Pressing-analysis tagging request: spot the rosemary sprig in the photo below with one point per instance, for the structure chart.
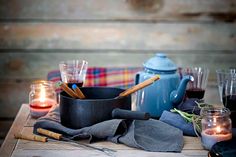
(193, 118)
(185, 115)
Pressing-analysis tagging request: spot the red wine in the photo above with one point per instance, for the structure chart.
(229, 102)
(195, 93)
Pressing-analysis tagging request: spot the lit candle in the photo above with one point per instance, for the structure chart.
(213, 135)
(40, 108)
(42, 98)
(216, 125)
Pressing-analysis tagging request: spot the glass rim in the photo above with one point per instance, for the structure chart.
(215, 111)
(196, 70)
(73, 61)
(226, 71)
(40, 83)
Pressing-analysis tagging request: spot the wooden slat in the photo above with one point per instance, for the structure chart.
(31, 65)
(192, 147)
(153, 10)
(86, 153)
(188, 143)
(195, 153)
(9, 143)
(118, 36)
(30, 122)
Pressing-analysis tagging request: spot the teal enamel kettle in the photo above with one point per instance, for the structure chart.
(164, 93)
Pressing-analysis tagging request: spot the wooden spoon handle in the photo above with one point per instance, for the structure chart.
(78, 91)
(139, 86)
(31, 137)
(69, 91)
(49, 133)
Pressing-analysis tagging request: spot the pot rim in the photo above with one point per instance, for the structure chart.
(96, 87)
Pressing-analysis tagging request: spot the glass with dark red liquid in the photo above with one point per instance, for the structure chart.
(195, 93)
(73, 72)
(196, 88)
(229, 98)
(229, 102)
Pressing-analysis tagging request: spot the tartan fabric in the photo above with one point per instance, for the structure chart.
(96, 77)
(121, 77)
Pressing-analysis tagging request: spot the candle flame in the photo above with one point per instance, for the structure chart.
(218, 129)
(42, 95)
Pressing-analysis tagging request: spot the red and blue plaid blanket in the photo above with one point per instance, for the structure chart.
(100, 76)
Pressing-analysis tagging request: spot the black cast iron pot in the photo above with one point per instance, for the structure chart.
(101, 104)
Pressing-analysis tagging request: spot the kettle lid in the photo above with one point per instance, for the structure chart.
(160, 63)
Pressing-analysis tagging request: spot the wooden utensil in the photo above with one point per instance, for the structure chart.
(60, 137)
(74, 94)
(78, 91)
(69, 91)
(30, 137)
(139, 86)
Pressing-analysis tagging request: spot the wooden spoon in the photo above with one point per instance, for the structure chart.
(139, 86)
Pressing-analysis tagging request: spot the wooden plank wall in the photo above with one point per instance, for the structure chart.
(36, 35)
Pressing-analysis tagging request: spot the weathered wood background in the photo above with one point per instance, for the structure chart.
(36, 35)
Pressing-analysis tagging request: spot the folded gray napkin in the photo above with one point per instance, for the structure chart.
(176, 120)
(150, 135)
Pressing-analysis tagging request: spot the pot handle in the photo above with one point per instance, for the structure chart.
(127, 114)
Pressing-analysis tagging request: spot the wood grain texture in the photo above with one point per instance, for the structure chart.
(192, 147)
(118, 10)
(118, 36)
(89, 153)
(10, 142)
(190, 143)
(36, 65)
(15, 82)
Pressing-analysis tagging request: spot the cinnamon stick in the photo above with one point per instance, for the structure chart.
(49, 133)
(31, 137)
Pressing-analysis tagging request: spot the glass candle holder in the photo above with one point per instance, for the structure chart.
(41, 98)
(216, 126)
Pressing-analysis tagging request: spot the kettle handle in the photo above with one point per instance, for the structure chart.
(136, 81)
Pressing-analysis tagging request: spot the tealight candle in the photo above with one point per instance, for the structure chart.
(214, 135)
(41, 98)
(216, 126)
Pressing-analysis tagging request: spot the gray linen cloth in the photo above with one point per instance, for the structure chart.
(150, 135)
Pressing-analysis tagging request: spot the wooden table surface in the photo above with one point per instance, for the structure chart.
(21, 148)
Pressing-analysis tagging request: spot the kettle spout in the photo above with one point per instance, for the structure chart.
(177, 96)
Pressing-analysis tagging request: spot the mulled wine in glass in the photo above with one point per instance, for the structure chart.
(229, 98)
(73, 72)
(196, 88)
